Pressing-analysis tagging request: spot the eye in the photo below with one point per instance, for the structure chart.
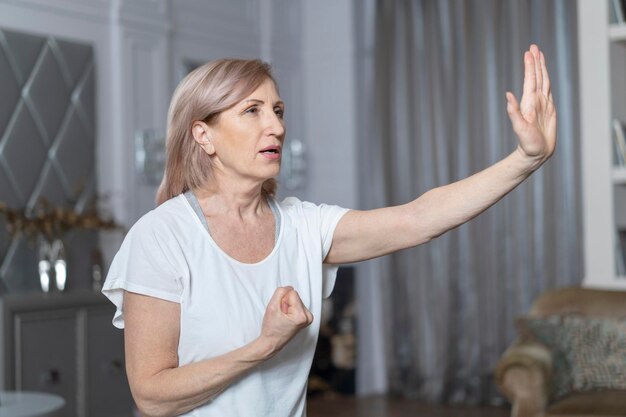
(279, 112)
(252, 110)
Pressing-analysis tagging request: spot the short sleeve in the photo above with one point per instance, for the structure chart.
(329, 218)
(145, 265)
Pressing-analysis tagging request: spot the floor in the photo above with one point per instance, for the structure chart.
(385, 407)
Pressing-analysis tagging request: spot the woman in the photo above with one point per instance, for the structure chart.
(219, 288)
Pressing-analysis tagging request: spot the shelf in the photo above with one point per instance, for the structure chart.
(619, 175)
(617, 32)
(616, 284)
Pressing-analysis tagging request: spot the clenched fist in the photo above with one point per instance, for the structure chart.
(285, 316)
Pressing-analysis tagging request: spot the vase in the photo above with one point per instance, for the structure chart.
(60, 266)
(44, 263)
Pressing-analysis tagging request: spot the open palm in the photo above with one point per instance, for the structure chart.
(534, 119)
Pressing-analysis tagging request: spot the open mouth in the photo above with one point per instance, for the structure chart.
(271, 151)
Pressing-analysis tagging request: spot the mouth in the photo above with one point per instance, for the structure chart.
(272, 152)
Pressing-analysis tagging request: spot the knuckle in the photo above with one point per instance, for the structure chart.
(302, 318)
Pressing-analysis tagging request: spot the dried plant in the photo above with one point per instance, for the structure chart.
(53, 221)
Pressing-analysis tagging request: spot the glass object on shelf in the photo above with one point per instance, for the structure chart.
(44, 263)
(60, 266)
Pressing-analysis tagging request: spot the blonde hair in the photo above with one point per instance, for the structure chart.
(202, 95)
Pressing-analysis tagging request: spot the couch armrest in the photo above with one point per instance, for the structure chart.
(523, 375)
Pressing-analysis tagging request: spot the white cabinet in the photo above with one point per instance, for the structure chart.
(602, 60)
(65, 344)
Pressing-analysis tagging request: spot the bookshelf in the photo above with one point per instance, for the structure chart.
(619, 175)
(617, 32)
(602, 66)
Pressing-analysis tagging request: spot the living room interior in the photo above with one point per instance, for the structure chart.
(518, 312)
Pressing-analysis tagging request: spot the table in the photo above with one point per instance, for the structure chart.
(28, 404)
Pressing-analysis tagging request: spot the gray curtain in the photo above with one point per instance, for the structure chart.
(432, 81)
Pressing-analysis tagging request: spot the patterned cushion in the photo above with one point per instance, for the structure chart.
(589, 353)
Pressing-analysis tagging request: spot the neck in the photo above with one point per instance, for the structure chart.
(233, 198)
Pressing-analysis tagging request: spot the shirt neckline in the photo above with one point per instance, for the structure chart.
(207, 235)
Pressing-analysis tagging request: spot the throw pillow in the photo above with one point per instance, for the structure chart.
(589, 353)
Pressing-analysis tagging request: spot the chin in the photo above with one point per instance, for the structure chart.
(275, 172)
(268, 175)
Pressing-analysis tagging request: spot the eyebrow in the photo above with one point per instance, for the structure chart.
(262, 102)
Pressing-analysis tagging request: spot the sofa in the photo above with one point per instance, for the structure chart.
(569, 357)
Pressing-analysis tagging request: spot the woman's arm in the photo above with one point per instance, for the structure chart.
(160, 387)
(363, 235)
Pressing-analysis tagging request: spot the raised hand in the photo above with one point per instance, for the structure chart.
(534, 120)
(285, 316)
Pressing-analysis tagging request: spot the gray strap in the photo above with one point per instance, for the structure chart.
(195, 204)
(277, 217)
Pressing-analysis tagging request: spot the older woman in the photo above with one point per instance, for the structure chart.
(219, 289)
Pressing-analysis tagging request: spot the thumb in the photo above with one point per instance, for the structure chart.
(512, 108)
(277, 299)
(290, 301)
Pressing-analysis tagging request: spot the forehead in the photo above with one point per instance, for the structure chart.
(265, 91)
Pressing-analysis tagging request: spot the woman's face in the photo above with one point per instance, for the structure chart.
(247, 139)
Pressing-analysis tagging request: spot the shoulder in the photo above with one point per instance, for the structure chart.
(169, 216)
(305, 210)
(295, 205)
(300, 210)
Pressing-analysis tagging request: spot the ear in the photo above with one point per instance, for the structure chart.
(202, 135)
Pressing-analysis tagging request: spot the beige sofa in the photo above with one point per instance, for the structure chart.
(525, 370)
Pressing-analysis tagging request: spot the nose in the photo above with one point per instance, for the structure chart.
(275, 125)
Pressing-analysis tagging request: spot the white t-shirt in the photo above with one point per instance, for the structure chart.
(169, 254)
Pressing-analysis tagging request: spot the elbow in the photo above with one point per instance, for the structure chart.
(419, 232)
(149, 406)
(152, 409)
(425, 230)
(435, 234)
(423, 226)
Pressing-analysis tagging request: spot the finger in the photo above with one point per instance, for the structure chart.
(538, 73)
(530, 81)
(295, 300)
(290, 301)
(512, 108)
(309, 316)
(277, 297)
(551, 107)
(296, 305)
(546, 77)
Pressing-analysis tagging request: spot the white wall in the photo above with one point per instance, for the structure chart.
(329, 101)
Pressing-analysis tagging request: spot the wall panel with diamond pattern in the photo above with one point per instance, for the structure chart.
(47, 146)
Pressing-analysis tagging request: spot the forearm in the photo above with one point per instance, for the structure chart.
(444, 208)
(177, 390)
